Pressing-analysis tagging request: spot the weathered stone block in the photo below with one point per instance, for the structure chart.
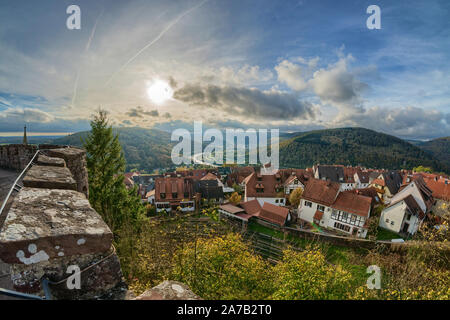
(49, 177)
(169, 290)
(43, 160)
(43, 224)
(99, 274)
(76, 162)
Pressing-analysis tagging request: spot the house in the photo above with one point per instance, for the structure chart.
(387, 184)
(238, 175)
(293, 179)
(370, 192)
(325, 205)
(334, 173)
(267, 214)
(407, 208)
(337, 173)
(212, 176)
(440, 186)
(209, 189)
(361, 179)
(172, 193)
(265, 188)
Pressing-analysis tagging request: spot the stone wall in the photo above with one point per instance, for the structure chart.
(16, 156)
(51, 226)
(75, 159)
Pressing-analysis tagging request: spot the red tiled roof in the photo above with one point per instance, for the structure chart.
(320, 191)
(251, 207)
(371, 192)
(379, 182)
(274, 214)
(436, 183)
(353, 203)
(170, 185)
(231, 208)
(266, 183)
(209, 176)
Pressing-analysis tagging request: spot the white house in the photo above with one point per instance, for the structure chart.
(407, 208)
(292, 183)
(361, 179)
(325, 205)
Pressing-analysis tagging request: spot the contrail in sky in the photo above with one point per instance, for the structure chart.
(174, 22)
(88, 45)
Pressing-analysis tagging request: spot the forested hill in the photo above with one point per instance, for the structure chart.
(144, 149)
(148, 149)
(354, 146)
(439, 148)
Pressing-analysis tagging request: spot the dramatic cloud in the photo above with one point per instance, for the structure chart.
(246, 102)
(139, 112)
(404, 122)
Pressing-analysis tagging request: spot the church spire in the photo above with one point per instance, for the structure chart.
(25, 140)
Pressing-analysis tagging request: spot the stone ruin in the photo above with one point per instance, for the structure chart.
(51, 226)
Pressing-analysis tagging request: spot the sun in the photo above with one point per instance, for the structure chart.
(159, 91)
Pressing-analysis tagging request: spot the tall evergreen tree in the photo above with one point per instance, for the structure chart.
(106, 164)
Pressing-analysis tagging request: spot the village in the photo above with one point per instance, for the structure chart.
(332, 200)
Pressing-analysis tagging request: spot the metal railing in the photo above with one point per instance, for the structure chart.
(16, 186)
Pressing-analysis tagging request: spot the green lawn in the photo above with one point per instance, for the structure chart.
(384, 234)
(256, 227)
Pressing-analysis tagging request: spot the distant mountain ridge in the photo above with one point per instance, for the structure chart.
(355, 146)
(439, 148)
(148, 149)
(144, 149)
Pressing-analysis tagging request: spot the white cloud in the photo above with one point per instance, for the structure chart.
(337, 85)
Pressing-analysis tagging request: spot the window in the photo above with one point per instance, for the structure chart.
(333, 213)
(342, 227)
(163, 195)
(308, 204)
(353, 219)
(174, 195)
(392, 223)
(320, 208)
(408, 217)
(387, 220)
(276, 200)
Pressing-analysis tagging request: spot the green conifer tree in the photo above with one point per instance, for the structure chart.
(108, 194)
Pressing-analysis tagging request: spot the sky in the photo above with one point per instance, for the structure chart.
(293, 65)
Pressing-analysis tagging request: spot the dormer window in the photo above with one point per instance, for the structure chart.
(259, 188)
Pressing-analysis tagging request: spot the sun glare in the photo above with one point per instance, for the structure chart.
(159, 91)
